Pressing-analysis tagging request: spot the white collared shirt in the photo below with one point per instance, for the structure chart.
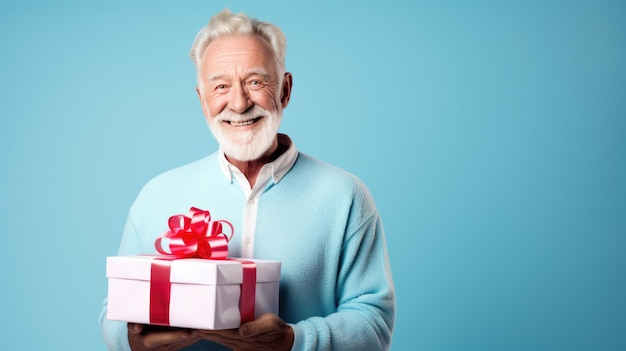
(273, 171)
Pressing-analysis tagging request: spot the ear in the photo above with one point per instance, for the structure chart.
(205, 110)
(286, 90)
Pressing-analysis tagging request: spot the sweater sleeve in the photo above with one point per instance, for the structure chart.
(115, 333)
(365, 296)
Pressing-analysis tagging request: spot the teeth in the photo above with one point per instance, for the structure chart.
(242, 123)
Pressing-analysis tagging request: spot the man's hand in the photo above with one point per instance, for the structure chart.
(266, 333)
(148, 337)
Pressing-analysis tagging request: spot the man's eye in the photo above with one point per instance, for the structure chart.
(220, 87)
(255, 84)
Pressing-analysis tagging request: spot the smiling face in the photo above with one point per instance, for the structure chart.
(242, 95)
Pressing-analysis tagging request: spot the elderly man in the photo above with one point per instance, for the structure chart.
(336, 290)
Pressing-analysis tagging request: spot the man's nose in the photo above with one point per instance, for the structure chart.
(239, 99)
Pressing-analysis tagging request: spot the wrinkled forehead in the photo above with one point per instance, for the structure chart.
(236, 53)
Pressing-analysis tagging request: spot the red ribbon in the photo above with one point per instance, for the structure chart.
(160, 292)
(195, 236)
(248, 290)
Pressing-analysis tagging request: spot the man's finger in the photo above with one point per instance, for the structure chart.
(265, 323)
(135, 328)
(165, 337)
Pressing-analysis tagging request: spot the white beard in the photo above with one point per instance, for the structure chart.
(249, 144)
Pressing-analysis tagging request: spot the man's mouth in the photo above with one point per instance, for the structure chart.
(243, 123)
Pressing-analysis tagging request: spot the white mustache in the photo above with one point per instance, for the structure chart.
(230, 116)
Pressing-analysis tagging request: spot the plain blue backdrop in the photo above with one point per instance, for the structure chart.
(490, 133)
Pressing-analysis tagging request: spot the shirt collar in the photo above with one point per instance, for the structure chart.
(278, 167)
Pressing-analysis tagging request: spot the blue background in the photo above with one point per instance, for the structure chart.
(490, 133)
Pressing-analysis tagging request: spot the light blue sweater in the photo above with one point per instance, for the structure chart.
(336, 289)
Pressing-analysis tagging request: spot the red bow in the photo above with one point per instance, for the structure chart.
(195, 236)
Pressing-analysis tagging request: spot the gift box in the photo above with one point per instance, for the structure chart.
(191, 292)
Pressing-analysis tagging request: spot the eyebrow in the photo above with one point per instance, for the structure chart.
(254, 71)
(216, 76)
(260, 72)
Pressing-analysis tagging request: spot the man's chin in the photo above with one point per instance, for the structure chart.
(243, 153)
(246, 146)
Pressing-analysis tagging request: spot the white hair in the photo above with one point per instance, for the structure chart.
(227, 23)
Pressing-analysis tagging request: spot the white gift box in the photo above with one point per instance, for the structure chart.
(204, 294)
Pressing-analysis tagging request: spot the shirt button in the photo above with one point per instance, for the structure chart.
(247, 240)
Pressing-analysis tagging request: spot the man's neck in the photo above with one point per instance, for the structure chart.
(251, 169)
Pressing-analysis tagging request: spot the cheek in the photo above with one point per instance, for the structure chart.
(215, 105)
(266, 100)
